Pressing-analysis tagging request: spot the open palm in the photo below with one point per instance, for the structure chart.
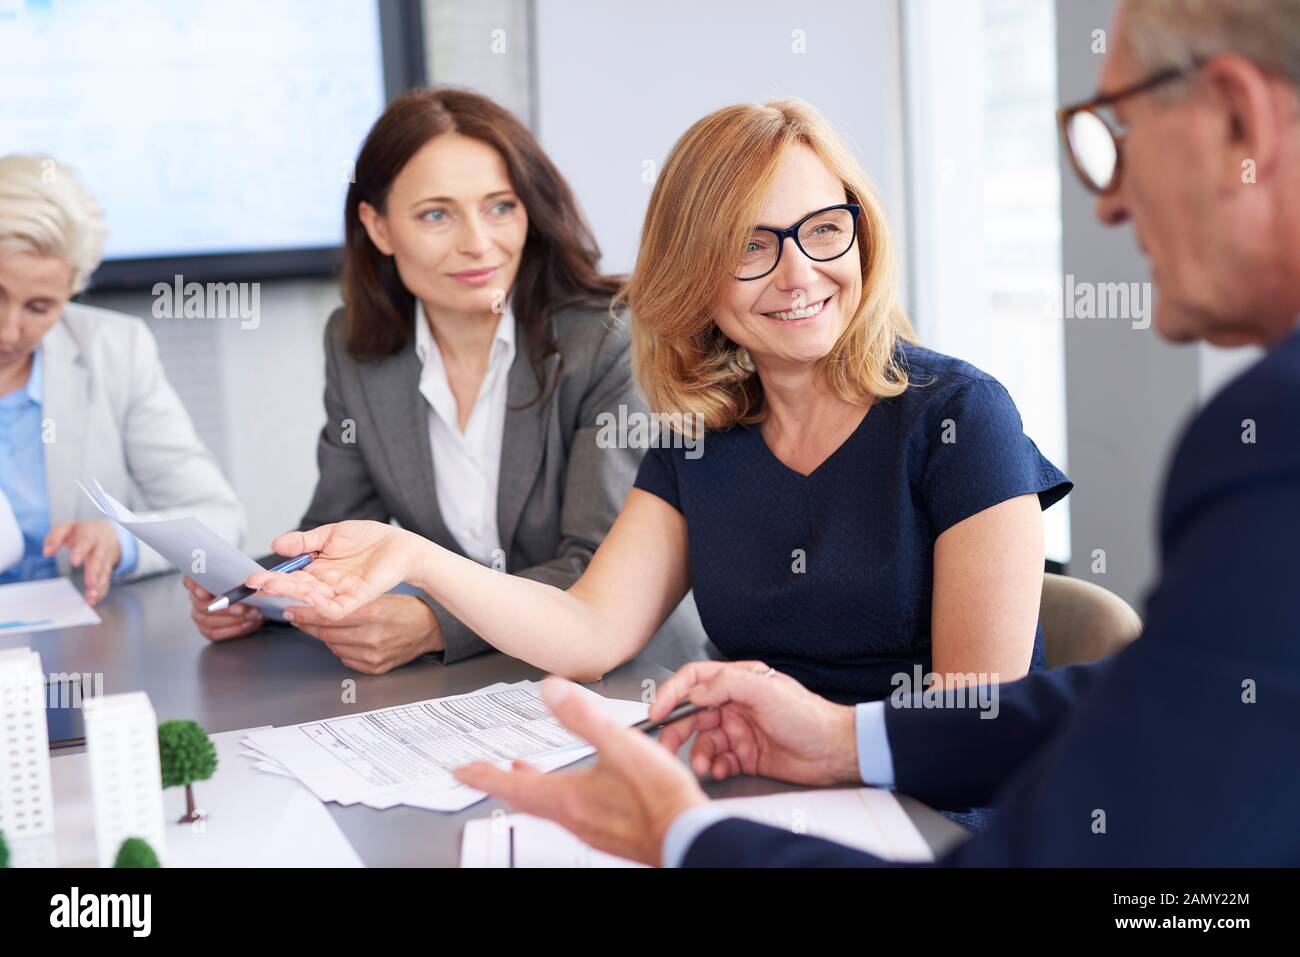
(355, 563)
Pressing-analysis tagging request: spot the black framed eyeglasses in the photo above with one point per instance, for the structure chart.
(822, 235)
(1093, 143)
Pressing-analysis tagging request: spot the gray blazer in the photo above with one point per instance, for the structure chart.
(558, 493)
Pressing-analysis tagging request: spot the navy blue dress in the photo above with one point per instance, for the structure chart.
(828, 577)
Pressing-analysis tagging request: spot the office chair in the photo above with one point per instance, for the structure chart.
(1084, 622)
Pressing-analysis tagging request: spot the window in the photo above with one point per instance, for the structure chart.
(984, 204)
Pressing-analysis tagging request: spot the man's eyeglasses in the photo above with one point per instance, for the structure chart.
(821, 236)
(1093, 143)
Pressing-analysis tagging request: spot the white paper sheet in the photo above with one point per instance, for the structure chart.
(42, 605)
(405, 755)
(179, 540)
(450, 799)
(253, 819)
(270, 768)
(462, 796)
(868, 819)
(521, 840)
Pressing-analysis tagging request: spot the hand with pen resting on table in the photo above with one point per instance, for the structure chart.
(759, 722)
(374, 639)
(345, 589)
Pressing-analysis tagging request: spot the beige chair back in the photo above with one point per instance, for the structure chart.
(1084, 622)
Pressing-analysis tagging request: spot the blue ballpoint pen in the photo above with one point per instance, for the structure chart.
(240, 592)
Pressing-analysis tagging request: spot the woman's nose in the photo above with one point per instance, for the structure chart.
(9, 330)
(473, 240)
(795, 270)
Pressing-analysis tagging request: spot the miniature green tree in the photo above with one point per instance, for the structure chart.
(4, 851)
(136, 852)
(187, 755)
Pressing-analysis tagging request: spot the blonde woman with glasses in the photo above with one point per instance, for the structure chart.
(864, 511)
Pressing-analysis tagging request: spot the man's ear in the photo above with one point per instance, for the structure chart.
(376, 227)
(1251, 117)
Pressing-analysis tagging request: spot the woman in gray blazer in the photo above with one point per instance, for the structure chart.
(83, 393)
(466, 375)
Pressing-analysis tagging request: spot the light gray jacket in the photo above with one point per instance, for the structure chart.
(110, 412)
(558, 492)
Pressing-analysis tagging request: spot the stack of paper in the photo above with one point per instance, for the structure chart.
(405, 755)
(868, 819)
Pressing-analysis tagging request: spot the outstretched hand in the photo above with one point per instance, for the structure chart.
(622, 805)
(355, 563)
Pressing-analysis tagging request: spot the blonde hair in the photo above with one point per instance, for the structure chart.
(44, 209)
(704, 204)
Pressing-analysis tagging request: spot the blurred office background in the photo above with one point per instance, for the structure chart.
(948, 103)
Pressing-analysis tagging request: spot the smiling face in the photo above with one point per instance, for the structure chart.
(33, 292)
(793, 316)
(453, 225)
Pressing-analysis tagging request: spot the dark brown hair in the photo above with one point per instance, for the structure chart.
(559, 261)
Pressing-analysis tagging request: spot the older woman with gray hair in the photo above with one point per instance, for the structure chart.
(82, 392)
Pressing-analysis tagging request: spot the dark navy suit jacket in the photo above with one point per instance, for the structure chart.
(1184, 749)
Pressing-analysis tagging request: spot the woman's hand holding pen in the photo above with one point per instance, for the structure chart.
(355, 563)
(234, 621)
(375, 639)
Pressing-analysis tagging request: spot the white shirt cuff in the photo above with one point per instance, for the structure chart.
(875, 761)
(875, 766)
(686, 827)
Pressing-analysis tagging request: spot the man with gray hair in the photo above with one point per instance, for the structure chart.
(1181, 749)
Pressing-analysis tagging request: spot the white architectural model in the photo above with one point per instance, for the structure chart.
(125, 776)
(26, 807)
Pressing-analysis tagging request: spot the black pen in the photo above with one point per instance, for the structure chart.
(679, 712)
(240, 592)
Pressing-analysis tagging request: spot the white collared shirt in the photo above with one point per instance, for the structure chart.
(467, 465)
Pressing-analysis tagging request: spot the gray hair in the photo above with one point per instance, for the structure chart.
(45, 210)
(1172, 33)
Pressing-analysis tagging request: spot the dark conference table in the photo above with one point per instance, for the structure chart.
(280, 676)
